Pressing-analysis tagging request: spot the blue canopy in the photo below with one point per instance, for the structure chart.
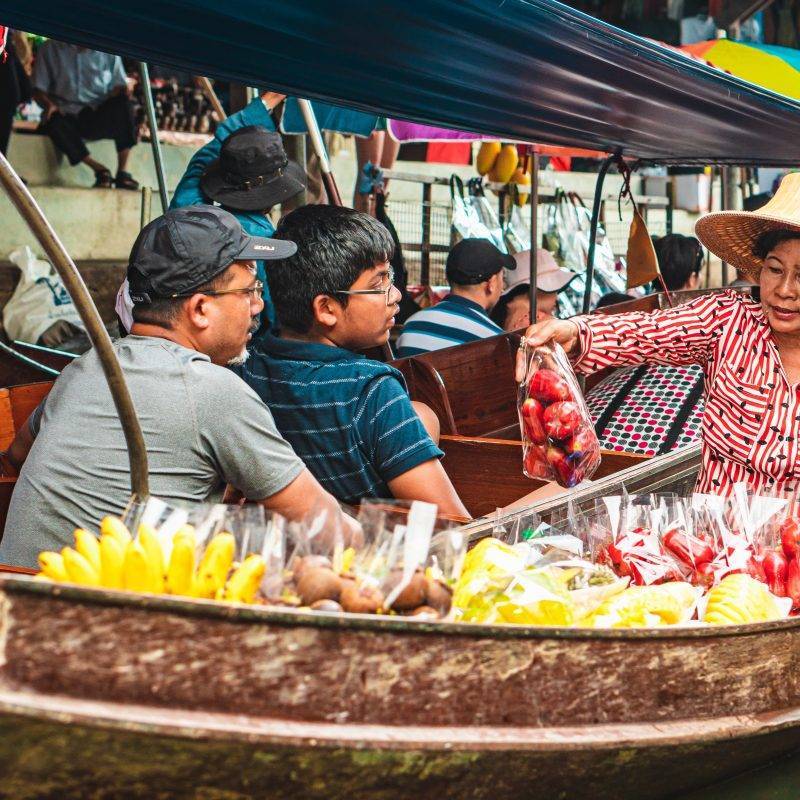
(531, 70)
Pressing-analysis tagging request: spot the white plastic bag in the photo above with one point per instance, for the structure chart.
(473, 216)
(40, 299)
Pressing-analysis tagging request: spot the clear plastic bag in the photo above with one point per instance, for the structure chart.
(559, 441)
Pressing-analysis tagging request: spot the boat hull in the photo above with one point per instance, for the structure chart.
(136, 696)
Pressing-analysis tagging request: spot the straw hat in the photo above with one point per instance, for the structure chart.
(731, 235)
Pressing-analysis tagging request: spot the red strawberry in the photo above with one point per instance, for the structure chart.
(548, 386)
(558, 460)
(536, 463)
(532, 413)
(583, 441)
(562, 420)
(790, 537)
(793, 582)
(775, 567)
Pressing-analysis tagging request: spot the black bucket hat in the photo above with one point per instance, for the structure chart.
(253, 172)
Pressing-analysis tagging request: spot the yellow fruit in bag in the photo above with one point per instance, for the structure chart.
(112, 558)
(487, 155)
(79, 569)
(148, 538)
(113, 526)
(52, 566)
(645, 606)
(87, 545)
(214, 566)
(738, 599)
(245, 580)
(180, 570)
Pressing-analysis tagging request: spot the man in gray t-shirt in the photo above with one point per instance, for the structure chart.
(195, 301)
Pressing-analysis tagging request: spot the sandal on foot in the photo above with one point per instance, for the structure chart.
(103, 179)
(124, 180)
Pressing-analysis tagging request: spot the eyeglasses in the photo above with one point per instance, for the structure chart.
(386, 290)
(254, 291)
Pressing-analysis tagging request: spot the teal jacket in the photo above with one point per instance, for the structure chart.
(189, 193)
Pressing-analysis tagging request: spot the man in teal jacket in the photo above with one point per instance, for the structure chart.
(244, 168)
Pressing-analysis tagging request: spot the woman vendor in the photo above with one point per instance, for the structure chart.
(749, 350)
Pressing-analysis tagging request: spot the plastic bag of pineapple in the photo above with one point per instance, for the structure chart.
(208, 551)
(519, 584)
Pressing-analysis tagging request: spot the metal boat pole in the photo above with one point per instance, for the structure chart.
(334, 198)
(534, 201)
(598, 196)
(59, 258)
(147, 92)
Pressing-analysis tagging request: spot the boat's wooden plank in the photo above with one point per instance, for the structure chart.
(487, 473)
(426, 385)
(479, 382)
(25, 398)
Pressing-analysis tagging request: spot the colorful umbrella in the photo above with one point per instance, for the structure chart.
(770, 66)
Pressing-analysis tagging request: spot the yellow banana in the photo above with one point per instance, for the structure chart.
(181, 563)
(79, 569)
(214, 566)
(243, 584)
(148, 538)
(112, 558)
(114, 526)
(136, 575)
(87, 545)
(52, 565)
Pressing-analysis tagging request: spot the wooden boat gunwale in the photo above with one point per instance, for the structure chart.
(289, 617)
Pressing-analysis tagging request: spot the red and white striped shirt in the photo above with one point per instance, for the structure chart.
(751, 425)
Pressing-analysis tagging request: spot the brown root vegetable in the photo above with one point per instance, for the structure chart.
(318, 583)
(361, 599)
(438, 595)
(412, 594)
(302, 564)
(326, 605)
(424, 613)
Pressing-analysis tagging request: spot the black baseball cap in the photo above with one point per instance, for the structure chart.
(187, 247)
(476, 260)
(252, 172)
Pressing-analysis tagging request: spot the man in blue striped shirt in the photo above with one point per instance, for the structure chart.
(349, 418)
(475, 273)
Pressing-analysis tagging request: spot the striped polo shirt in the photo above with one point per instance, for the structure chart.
(455, 320)
(349, 418)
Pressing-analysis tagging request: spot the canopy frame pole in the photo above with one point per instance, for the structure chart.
(150, 109)
(208, 91)
(29, 210)
(598, 196)
(533, 199)
(328, 179)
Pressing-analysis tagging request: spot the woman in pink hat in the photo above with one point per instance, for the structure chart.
(749, 348)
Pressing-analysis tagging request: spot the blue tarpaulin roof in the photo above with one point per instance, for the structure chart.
(531, 70)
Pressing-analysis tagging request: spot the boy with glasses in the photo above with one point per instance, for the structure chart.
(348, 418)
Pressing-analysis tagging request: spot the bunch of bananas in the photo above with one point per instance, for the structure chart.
(119, 561)
(738, 599)
(500, 163)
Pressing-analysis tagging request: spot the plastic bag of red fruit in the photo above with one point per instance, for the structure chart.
(558, 438)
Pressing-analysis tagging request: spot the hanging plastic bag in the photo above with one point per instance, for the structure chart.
(473, 216)
(40, 302)
(516, 233)
(559, 442)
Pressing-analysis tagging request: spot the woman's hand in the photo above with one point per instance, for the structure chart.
(563, 331)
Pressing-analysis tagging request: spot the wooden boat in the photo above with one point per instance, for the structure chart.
(115, 695)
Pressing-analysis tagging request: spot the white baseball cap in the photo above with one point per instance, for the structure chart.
(549, 276)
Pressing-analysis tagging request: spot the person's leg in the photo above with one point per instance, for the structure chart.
(367, 150)
(113, 119)
(429, 419)
(65, 133)
(391, 147)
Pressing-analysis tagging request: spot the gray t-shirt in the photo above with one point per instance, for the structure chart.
(203, 427)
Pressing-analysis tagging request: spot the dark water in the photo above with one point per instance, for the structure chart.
(779, 780)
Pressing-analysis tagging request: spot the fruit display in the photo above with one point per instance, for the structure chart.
(645, 561)
(150, 563)
(559, 441)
